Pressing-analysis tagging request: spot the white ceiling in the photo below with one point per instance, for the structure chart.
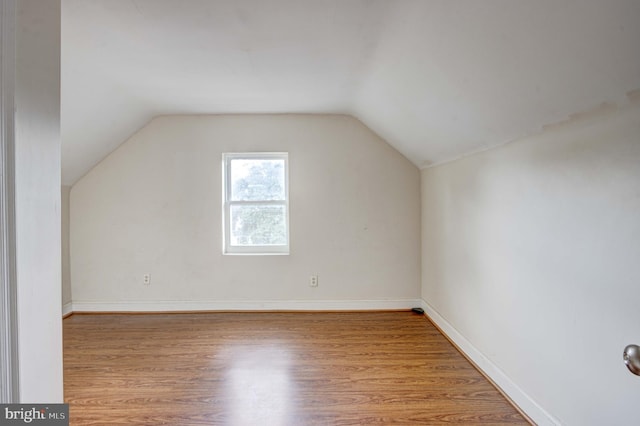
(436, 79)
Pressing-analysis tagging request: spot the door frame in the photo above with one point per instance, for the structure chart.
(9, 380)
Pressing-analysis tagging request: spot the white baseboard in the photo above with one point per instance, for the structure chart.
(517, 395)
(244, 305)
(67, 309)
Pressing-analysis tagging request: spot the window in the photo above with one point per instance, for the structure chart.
(256, 203)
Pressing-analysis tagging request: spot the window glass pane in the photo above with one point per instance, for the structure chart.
(257, 179)
(260, 225)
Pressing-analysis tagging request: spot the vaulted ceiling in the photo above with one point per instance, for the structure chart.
(435, 78)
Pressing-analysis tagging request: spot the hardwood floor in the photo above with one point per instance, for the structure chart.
(271, 369)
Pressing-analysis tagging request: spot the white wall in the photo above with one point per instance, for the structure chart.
(154, 206)
(37, 200)
(66, 262)
(531, 252)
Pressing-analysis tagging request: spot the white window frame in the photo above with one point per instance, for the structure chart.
(227, 247)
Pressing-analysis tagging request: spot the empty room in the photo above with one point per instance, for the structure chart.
(319, 212)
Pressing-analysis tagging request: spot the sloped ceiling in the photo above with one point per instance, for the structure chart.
(436, 79)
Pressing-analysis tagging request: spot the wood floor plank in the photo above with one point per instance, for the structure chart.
(272, 369)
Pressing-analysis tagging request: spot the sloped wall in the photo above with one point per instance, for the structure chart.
(531, 253)
(154, 206)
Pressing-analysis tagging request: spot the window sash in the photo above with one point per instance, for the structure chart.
(228, 248)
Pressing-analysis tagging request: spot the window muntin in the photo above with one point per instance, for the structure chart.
(256, 203)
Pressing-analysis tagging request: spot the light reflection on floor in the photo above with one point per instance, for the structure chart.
(259, 385)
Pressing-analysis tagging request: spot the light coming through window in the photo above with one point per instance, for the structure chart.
(256, 203)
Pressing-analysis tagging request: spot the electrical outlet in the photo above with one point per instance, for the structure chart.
(313, 281)
(146, 279)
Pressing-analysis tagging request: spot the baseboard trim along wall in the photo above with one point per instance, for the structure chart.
(242, 305)
(512, 391)
(67, 309)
